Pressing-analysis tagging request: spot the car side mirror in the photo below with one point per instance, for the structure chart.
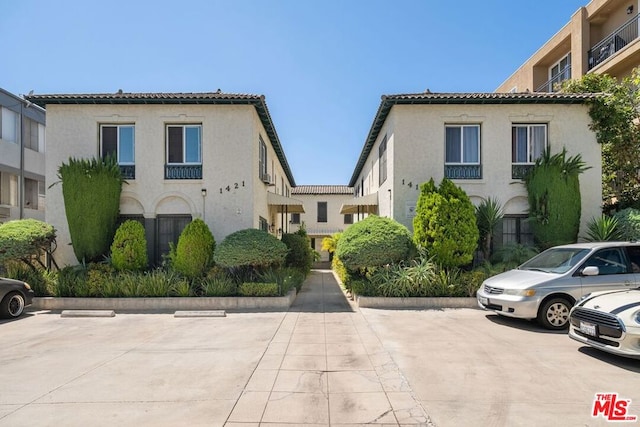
(590, 271)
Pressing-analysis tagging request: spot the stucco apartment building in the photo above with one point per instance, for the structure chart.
(214, 156)
(323, 216)
(22, 158)
(601, 37)
(483, 142)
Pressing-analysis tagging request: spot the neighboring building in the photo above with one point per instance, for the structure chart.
(601, 37)
(483, 142)
(22, 162)
(322, 218)
(214, 156)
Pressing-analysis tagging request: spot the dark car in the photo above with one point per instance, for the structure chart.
(15, 295)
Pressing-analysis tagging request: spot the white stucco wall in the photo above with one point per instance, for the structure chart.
(235, 196)
(415, 153)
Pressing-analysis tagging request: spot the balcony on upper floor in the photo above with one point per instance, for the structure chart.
(613, 42)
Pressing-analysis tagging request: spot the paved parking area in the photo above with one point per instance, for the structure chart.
(322, 363)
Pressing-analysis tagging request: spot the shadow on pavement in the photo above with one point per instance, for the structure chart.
(523, 324)
(629, 364)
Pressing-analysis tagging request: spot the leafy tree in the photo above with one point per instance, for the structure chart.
(25, 240)
(91, 191)
(129, 247)
(374, 241)
(445, 223)
(554, 198)
(193, 255)
(628, 223)
(614, 116)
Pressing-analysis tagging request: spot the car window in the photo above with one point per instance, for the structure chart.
(608, 261)
(555, 260)
(634, 256)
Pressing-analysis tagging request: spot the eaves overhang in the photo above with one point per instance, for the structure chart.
(206, 98)
(388, 101)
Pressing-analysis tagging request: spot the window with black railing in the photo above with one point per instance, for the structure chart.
(614, 42)
(558, 73)
(462, 152)
(118, 140)
(528, 143)
(184, 152)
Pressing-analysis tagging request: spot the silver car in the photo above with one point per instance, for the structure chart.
(548, 285)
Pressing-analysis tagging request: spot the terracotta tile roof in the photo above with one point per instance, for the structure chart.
(322, 189)
(202, 98)
(426, 98)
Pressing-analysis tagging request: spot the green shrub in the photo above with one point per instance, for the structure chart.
(193, 254)
(256, 289)
(628, 223)
(42, 282)
(218, 285)
(72, 282)
(445, 224)
(287, 278)
(374, 241)
(250, 249)
(554, 198)
(300, 253)
(25, 239)
(157, 283)
(514, 254)
(91, 191)
(129, 247)
(340, 269)
(602, 229)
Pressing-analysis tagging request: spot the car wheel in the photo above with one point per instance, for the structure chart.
(554, 314)
(12, 305)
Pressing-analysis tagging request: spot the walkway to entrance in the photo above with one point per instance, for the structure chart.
(325, 366)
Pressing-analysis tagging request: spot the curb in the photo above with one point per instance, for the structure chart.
(166, 303)
(416, 303)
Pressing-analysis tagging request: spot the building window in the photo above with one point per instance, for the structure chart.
(295, 218)
(30, 193)
(559, 72)
(264, 224)
(322, 211)
(528, 143)
(184, 152)
(382, 160)
(462, 152)
(262, 160)
(9, 126)
(30, 133)
(348, 218)
(8, 189)
(119, 141)
(516, 229)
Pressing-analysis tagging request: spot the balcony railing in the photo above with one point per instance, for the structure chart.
(182, 171)
(128, 171)
(550, 86)
(614, 42)
(520, 171)
(463, 171)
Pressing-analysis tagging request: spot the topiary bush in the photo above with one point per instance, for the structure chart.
(193, 254)
(255, 289)
(250, 248)
(300, 254)
(554, 198)
(445, 224)
(129, 247)
(628, 223)
(91, 191)
(374, 241)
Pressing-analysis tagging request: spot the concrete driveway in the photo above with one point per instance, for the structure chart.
(468, 367)
(322, 363)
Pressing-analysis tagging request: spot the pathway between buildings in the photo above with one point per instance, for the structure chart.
(326, 367)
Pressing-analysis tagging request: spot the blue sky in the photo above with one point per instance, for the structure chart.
(322, 64)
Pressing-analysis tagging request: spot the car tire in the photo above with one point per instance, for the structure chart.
(554, 313)
(12, 305)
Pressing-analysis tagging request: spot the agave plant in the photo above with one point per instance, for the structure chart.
(603, 229)
(488, 216)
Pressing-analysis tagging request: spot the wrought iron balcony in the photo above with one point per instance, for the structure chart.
(463, 171)
(128, 171)
(551, 85)
(182, 171)
(613, 42)
(520, 171)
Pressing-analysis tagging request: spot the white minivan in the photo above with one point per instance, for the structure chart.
(549, 284)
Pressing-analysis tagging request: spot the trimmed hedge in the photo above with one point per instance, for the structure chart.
(23, 239)
(193, 254)
(250, 248)
(129, 247)
(374, 241)
(300, 253)
(255, 289)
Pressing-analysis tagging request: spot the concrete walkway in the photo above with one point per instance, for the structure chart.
(326, 367)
